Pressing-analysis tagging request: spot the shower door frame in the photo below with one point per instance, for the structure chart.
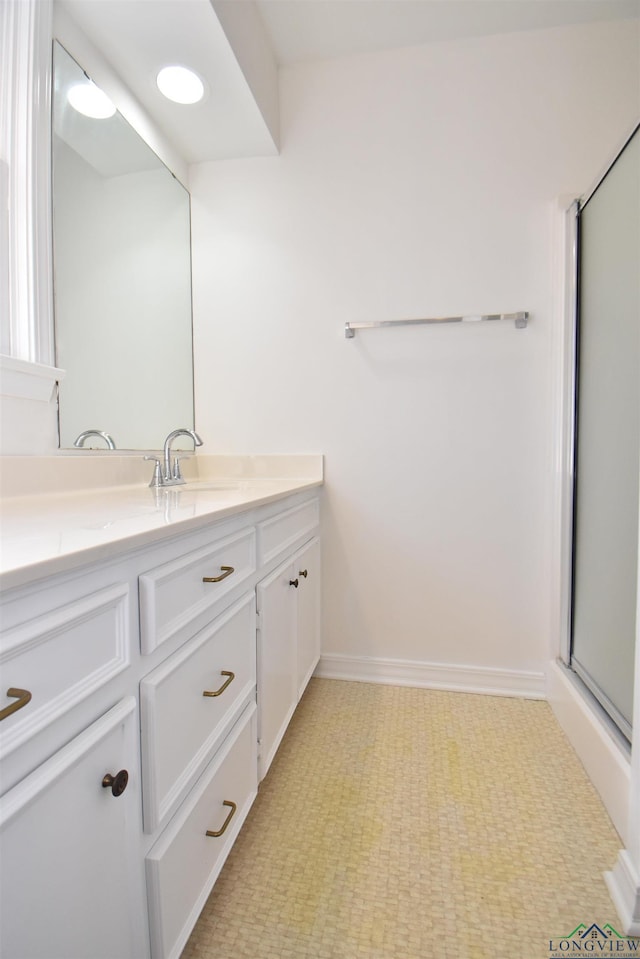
(612, 766)
(567, 454)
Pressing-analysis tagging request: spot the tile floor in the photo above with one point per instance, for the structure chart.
(400, 823)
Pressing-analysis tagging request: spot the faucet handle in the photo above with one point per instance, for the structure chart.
(157, 479)
(177, 472)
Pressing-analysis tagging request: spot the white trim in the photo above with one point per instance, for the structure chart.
(447, 676)
(564, 353)
(607, 766)
(29, 381)
(5, 244)
(623, 883)
(25, 103)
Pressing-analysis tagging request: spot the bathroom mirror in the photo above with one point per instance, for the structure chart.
(122, 278)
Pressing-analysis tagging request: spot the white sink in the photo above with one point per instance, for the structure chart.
(206, 485)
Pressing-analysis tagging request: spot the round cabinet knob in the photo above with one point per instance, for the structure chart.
(117, 783)
(293, 582)
(304, 572)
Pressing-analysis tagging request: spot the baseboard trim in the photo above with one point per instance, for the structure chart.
(606, 765)
(623, 883)
(451, 677)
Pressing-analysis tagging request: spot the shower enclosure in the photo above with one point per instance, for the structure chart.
(607, 438)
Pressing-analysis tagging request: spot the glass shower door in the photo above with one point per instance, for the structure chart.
(608, 438)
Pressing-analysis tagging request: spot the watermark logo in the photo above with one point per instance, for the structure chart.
(594, 940)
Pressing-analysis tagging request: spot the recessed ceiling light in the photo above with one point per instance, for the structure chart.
(89, 100)
(180, 85)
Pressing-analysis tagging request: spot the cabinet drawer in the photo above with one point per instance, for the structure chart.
(286, 530)
(174, 595)
(185, 862)
(181, 725)
(60, 658)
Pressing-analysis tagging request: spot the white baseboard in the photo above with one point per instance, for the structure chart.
(462, 679)
(607, 766)
(624, 887)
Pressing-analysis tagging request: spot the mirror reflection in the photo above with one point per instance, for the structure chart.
(122, 276)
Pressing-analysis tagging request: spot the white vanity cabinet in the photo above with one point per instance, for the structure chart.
(191, 700)
(288, 645)
(198, 737)
(288, 603)
(306, 570)
(185, 862)
(141, 683)
(62, 648)
(189, 704)
(187, 590)
(71, 880)
(205, 708)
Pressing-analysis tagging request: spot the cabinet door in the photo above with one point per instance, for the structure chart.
(277, 678)
(307, 572)
(72, 883)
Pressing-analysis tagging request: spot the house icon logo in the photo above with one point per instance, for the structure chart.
(594, 940)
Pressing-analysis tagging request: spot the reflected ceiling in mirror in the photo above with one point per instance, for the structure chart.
(122, 279)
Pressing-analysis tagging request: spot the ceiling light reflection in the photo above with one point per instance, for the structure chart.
(89, 100)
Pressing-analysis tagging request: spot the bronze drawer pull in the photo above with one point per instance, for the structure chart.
(223, 672)
(22, 696)
(304, 572)
(294, 582)
(226, 802)
(117, 784)
(226, 571)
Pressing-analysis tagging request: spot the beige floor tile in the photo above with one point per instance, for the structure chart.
(400, 823)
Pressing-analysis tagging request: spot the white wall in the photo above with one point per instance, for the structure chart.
(411, 183)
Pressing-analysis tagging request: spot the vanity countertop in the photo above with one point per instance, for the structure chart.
(48, 533)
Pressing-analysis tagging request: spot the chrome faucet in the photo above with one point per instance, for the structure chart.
(169, 474)
(79, 440)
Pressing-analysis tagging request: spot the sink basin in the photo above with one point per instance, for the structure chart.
(209, 486)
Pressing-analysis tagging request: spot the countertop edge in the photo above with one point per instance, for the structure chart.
(27, 573)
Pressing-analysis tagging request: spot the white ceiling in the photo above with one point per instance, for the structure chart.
(322, 29)
(137, 37)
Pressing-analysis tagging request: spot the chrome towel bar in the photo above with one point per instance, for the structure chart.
(520, 320)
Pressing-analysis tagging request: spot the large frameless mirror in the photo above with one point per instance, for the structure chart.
(122, 276)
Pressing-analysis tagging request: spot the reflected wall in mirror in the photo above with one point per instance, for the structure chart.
(122, 278)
